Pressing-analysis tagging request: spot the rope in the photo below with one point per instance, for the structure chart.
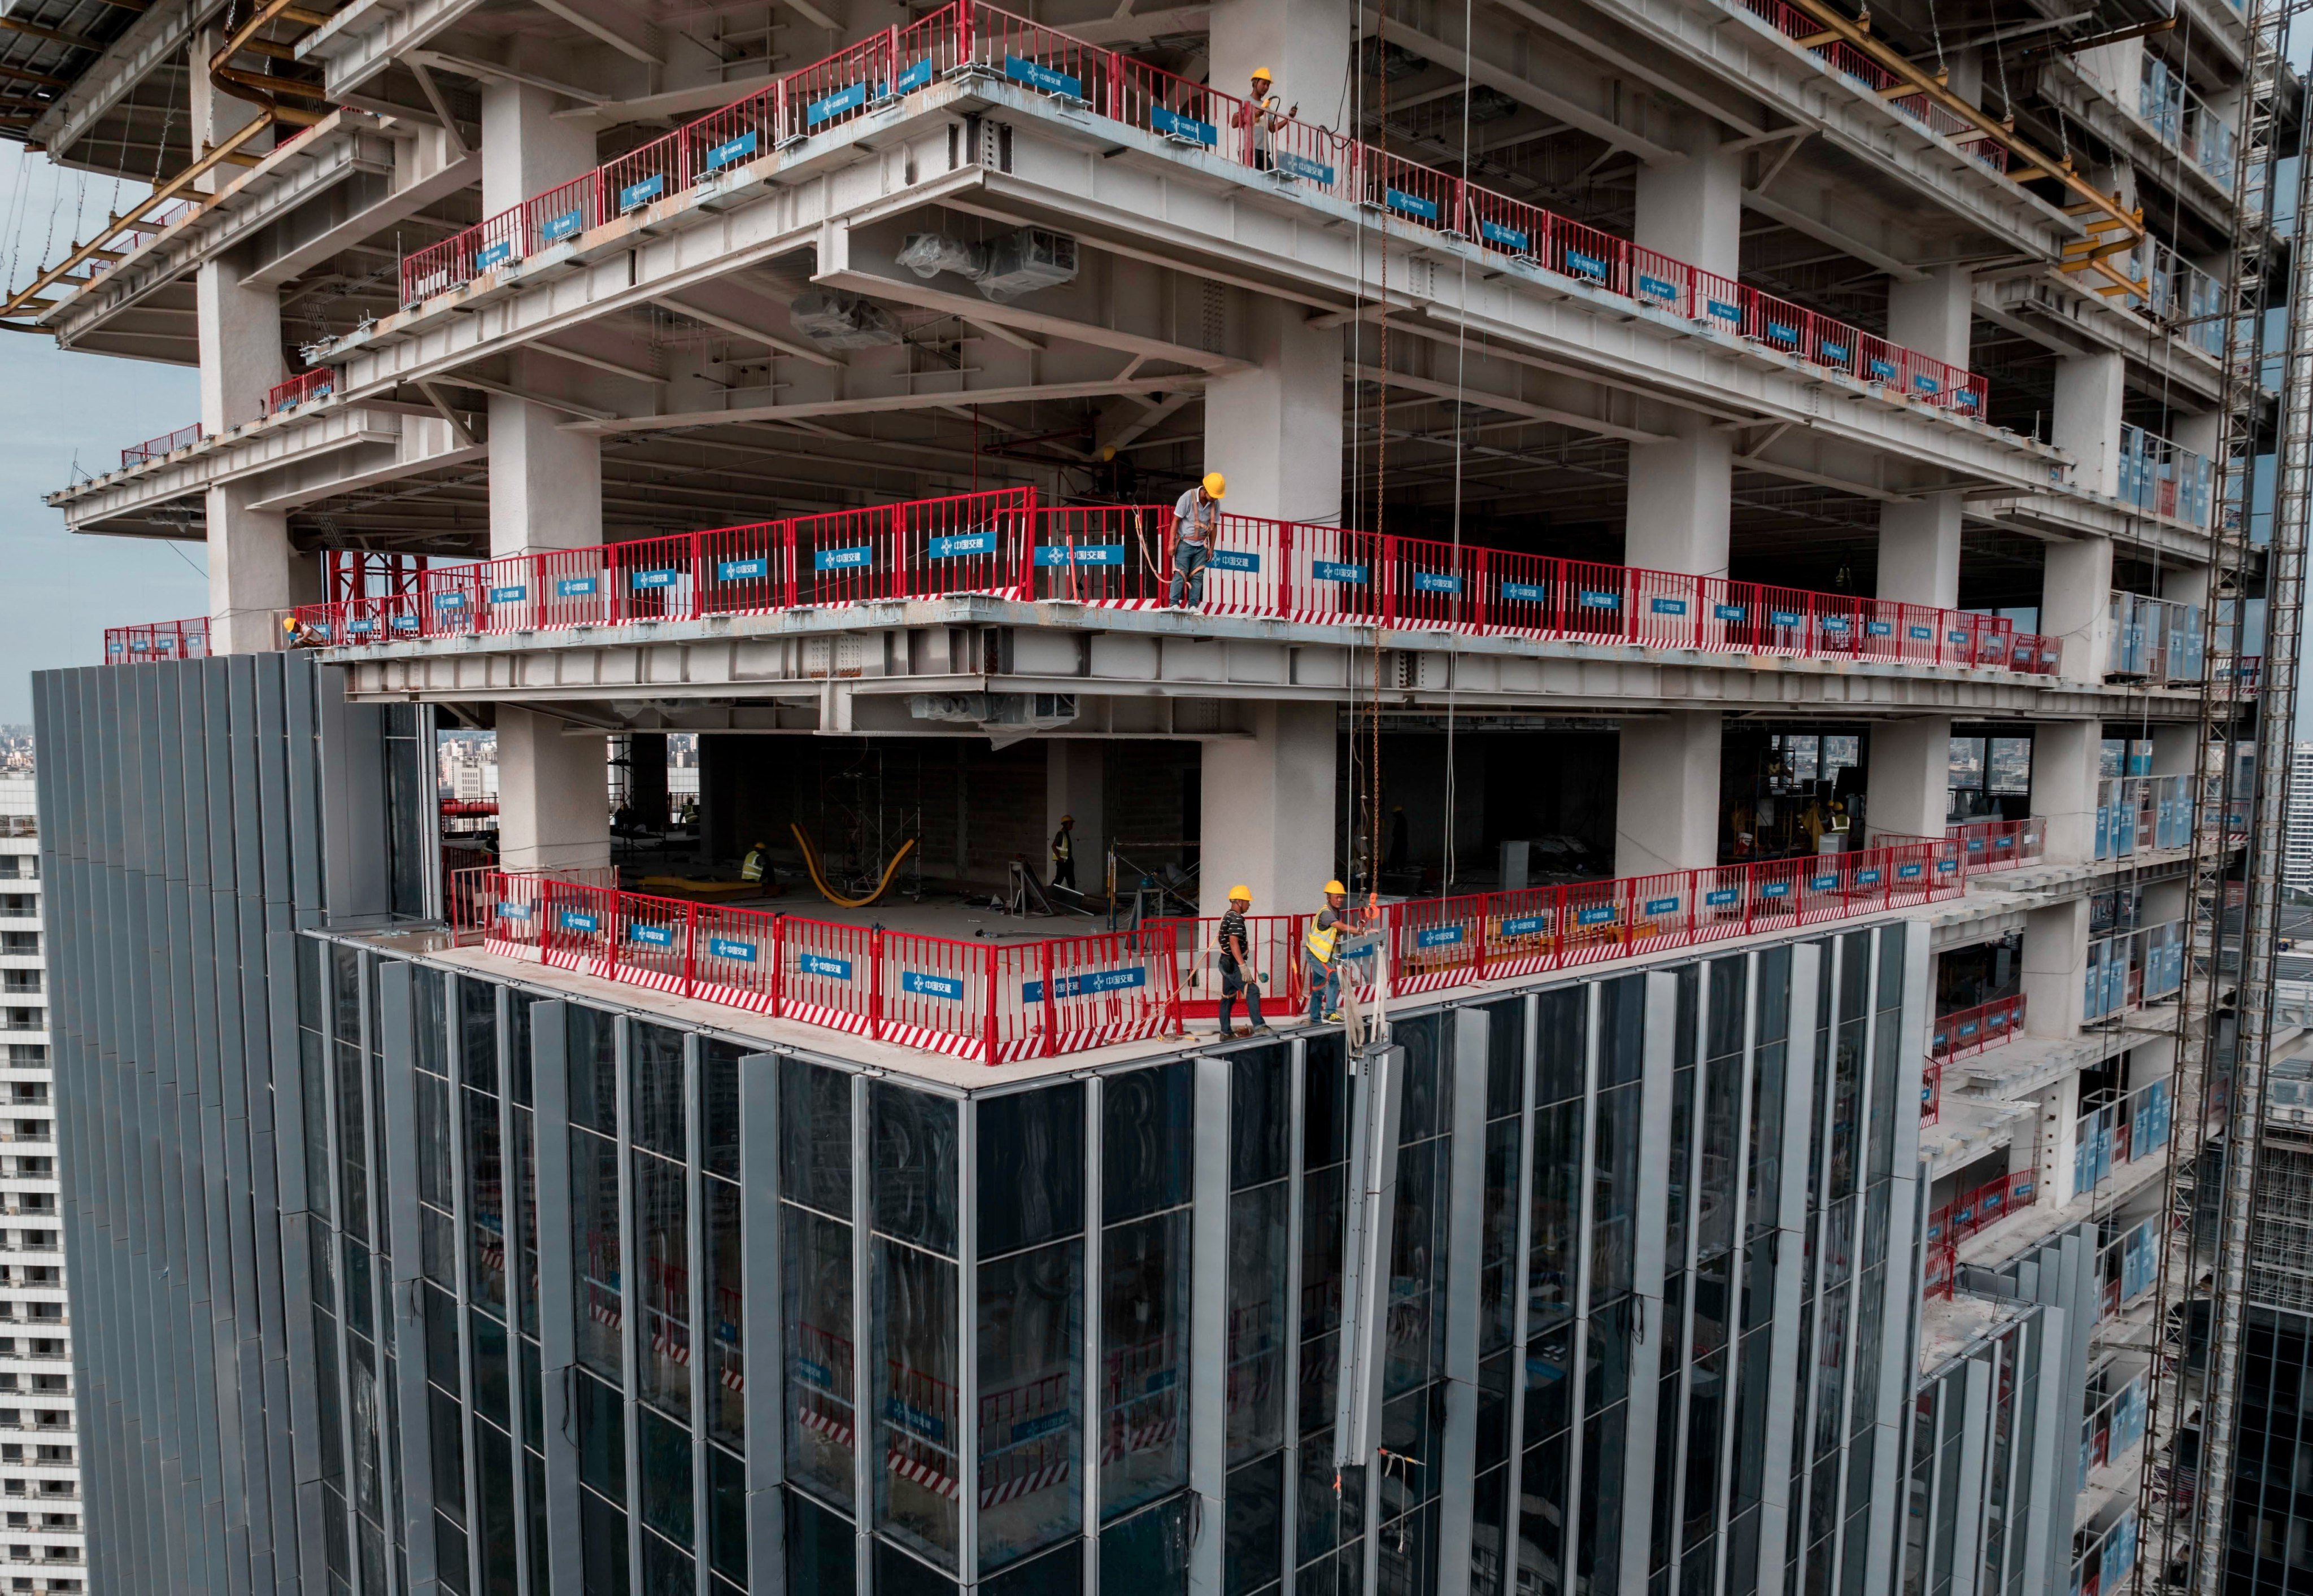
(1381, 500)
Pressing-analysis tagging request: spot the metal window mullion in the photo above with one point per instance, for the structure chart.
(1817, 1225)
(629, 1296)
(1290, 1511)
(762, 1303)
(694, 1196)
(865, 1438)
(1514, 1466)
(1579, 1418)
(460, 1217)
(341, 1353)
(1682, 1345)
(503, 999)
(1094, 1419)
(1867, 1076)
(967, 1374)
(1738, 1266)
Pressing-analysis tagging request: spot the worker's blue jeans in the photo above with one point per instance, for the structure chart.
(1235, 984)
(1324, 987)
(1189, 563)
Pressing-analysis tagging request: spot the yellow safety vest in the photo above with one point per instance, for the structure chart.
(1321, 942)
(752, 870)
(1059, 845)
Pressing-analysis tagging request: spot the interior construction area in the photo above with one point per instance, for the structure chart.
(860, 530)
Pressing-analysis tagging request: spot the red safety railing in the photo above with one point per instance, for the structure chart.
(966, 35)
(302, 389)
(1999, 845)
(1986, 1205)
(160, 448)
(989, 1002)
(1932, 1094)
(1434, 943)
(1001, 544)
(157, 640)
(1967, 1031)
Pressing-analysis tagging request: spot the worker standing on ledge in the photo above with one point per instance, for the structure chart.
(1064, 863)
(1258, 118)
(1322, 947)
(1196, 521)
(758, 859)
(1239, 974)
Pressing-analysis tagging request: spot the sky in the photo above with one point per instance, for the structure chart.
(67, 417)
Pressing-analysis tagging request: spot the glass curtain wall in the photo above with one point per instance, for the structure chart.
(991, 1337)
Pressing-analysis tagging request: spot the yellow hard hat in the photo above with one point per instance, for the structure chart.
(288, 623)
(1068, 819)
(1265, 75)
(1240, 893)
(1332, 888)
(1216, 485)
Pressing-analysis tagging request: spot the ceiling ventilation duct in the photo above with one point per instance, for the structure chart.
(1003, 268)
(842, 320)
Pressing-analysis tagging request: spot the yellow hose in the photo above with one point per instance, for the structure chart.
(810, 863)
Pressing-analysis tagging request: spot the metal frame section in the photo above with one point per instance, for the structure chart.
(1459, 1199)
(2225, 1017)
(786, 665)
(830, 197)
(179, 821)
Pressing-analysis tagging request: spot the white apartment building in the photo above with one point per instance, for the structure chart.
(42, 1544)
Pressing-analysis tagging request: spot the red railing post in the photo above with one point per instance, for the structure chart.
(689, 947)
(778, 965)
(876, 982)
(788, 545)
(988, 957)
(1052, 1007)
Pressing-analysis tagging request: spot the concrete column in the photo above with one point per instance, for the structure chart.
(1691, 210)
(1681, 498)
(1680, 493)
(214, 115)
(2076, 604)
(546, 484)
(2055, 963)
(254, 574)
(2059, 1138)
(1275, 431)
(2064, 755)
(240, 333)
(1909, 781)
(1933, 314)
(1919, 551)
(2086, 423)
(1266, 806)
(553, 795)
(1074, 773)
(646, 777)
(1667, 793)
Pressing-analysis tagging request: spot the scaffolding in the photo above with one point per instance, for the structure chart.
(2225, 1017)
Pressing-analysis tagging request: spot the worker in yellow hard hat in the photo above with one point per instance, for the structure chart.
(1064, 860)
(1241, 975)
(1258, 120)
(1322, 946)
(1196, 523)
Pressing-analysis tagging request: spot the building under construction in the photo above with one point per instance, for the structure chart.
(1756, 543)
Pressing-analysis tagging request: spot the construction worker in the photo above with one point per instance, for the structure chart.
(1239, 973)
(1323, 948)
(1259, 120)
(1064, 863)
(1196, 523)
(758, 861)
